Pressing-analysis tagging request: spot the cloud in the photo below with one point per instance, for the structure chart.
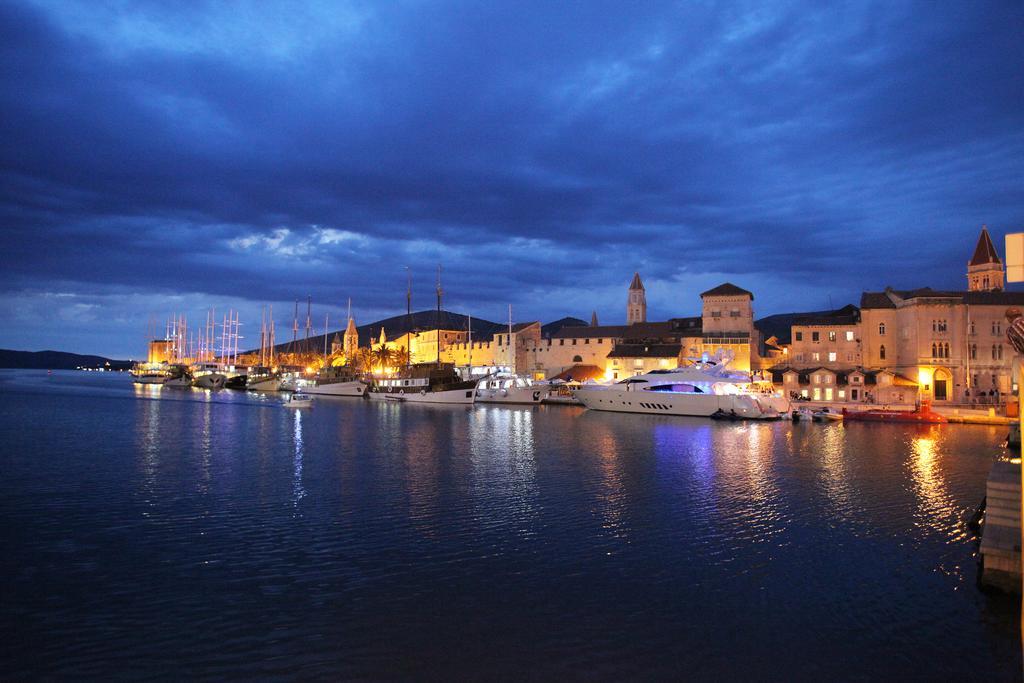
(269, 152)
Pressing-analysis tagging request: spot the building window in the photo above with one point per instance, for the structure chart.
(972, 327)
(815, 356)
(587, 340)
(849, 335)
(832, 357)
(799, 336)
(600, 341)
(828, 394)
(842, 394)
(577, 359)
(881, 351)
(934, 355)
(993, 352)
(734, 313)
(828, 379)
(574, 342)
(854, 394)
(855, 379)
(974, 352)
(817, 394)
(803, 392)
(831, 336)
(815, 336)
(996, 328)
(881, 329)
(716, 314)
(561, 342)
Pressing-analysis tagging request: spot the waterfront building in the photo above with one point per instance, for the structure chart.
(727, 325)
(830, 339)
(160, 351)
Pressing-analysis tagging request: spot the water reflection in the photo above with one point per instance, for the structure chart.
(298, 492)
(935, 507)
(503, 467)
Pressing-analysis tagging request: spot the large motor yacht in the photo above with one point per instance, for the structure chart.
(510, 388)
(703, 389)
(425, 383)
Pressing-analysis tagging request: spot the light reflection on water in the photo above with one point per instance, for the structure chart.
(367, 540)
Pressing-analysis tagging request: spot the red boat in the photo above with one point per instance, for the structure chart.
(922, 415)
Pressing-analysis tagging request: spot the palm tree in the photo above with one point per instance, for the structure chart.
(400, 357)
(363, 360)
(383, 356)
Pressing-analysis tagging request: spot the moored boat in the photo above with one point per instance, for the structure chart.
(702, 389)
(425, 383)
(923, 414)
(510, 388)
(298, 400)
(336, 381)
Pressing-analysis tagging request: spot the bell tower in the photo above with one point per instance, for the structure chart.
(985, 269)
(636, 306)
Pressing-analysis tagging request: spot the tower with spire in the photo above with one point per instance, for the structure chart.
(985, 269)
(351, 344)
(636, 306)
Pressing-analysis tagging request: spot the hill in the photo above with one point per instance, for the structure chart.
(56, 360)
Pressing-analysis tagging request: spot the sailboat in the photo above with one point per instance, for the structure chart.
(436, 383)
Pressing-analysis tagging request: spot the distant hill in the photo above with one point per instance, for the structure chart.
(56, 360)
(398, 325)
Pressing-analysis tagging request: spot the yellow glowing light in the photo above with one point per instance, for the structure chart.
(309, 370)
(924, 377)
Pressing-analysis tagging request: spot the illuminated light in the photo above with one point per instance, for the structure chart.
(924, 377)
(309, 370)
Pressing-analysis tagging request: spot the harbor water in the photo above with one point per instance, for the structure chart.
(152, 532)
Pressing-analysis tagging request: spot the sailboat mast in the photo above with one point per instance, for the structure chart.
(408, 319)
(272, 341)
(469, 359)
(511, 356)
(327, 317)
(437, 320)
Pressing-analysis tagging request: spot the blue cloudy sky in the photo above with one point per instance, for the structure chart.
(164, 157)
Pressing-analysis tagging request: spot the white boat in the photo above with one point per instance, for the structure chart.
(262, 379)
(208, 376)
(150, 373)
(425, 383)
(703, 389)
(826, 415)
(298, 400)
(340, 381)
(510, 388)
(179, 382)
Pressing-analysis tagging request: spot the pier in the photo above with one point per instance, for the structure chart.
(1001, 534)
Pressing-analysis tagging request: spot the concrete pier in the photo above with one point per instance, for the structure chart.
(1001, 533)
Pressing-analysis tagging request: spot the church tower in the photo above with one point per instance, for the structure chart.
(985, 269)
(636, 307)
(351, 339)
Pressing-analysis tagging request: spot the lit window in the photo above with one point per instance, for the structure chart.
(881, 329)
(831, 336)
(828, 394)
(816, 356)
(849, 335)
(832, 357)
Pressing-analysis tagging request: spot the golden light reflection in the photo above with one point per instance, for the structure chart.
(936, 509)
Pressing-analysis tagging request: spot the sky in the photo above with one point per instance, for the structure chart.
(162, 158)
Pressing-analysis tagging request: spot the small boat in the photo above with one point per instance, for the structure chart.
(298, 400)
(920, 415)
(209, 376)
(803, 414)
(262, 379)
(826, 415)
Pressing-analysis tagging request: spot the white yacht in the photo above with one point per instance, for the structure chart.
(703, 389)
(425, 383)
(298, 400)
(209, 376)
(510, 388)
(150, 373)
(336, 381)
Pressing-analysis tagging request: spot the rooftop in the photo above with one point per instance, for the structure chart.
(727, 289)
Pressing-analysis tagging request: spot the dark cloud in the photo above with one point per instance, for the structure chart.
(541, 151)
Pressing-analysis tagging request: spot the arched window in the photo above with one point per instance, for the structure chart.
(933, 350)
(945, 350)
(993, 352)
(881, 329)
(974, 353)
(881, 349)
(577, 359)
(999, 349)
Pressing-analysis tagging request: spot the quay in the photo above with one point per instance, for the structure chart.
(1001, 532)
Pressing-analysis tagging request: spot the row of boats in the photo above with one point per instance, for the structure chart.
(702, 388)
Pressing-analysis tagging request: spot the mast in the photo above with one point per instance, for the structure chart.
(327, 317)
(437, 320)
(295, 329)
(469, 359)
(272, 326)
(408, 319)
(511, 356)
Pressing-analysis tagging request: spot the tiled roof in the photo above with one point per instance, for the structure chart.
(985, 252)
(726, 289)
(993, 298)
(645, 351)
(636, 284)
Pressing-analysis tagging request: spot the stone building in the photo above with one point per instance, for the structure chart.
(636, 304)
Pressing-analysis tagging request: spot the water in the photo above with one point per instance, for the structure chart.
(159, 533)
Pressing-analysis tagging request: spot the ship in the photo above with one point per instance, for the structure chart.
(425, 383)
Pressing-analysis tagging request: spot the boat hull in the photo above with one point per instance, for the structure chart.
(355, 389)
(744, 406)
(267, 384)
(150, 379)
(212, 381)
(517, 395)
(179, 382)
(450, 397)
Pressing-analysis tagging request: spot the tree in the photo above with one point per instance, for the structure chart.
(400, 357)
(363, 360)
(383, 356)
